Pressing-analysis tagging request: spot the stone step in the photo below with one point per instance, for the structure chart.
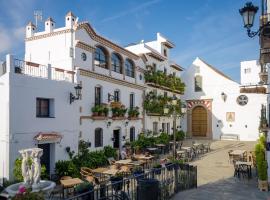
(229, 137)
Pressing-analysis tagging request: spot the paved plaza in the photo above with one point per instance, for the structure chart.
(215, 176)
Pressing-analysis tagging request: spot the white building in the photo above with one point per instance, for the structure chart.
(156, 55)
(250, 72)
(216, 107)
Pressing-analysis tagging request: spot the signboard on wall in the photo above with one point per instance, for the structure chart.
(230, 116)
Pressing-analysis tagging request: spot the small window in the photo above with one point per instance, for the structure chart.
(247, 70)
(132, 134)
(117, 96)
(163, 127)
(98, 137)
(116, 63)
(155, 127)
(131, 100)
(165, 70)
(129, 68)
(43, 107)
(198, 83)
(97, 95)
(168, 128)
(154, 67)
(165, 94)
(101, 57)
(165, 52)
(174, 74)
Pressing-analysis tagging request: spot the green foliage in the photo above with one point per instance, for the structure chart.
(17, 170)
(66, 168)
(180, 135)
(101, 110)
(110, 152)
(119, 111)
(163, 138)
(83, 187)
(154, 103)
(262, 140)
(162, 79)
(28, 195)
(260, 160)
(133, 112)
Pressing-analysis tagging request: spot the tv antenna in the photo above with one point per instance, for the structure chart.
(38, 16)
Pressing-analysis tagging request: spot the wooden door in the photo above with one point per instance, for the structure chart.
(199, 121)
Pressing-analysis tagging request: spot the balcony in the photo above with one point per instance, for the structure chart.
(42, 71)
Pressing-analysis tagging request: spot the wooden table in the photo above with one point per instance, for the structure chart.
(145, 158)
(162, 147)
(69, 183)
(238, 152)
(123, 162)
(100, 170)
(248, 164)
(111, 172)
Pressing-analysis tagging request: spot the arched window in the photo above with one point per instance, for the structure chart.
(116, 63)
(98, 137)
(132, 134)
(101, 57)
(129, 68)
(198, 83)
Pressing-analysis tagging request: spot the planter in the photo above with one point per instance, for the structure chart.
(138, 175)
(117, 182)
(157, 170)
(99, 117)
(263, 185)
(169, 166)
(133, 118)
(118, 118)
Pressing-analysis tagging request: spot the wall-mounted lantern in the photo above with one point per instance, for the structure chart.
(78, 90)
(223, 96)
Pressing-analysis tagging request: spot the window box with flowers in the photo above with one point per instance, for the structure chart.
(100, 112)
(118, 113)
(133, 113)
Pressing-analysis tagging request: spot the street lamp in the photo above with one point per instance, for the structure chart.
(174, 114)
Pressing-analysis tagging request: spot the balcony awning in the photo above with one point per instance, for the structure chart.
(48, 137)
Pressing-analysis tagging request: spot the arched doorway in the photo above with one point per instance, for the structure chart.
(199, 121)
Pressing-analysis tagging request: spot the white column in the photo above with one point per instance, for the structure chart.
(49, 71)
(9, 63)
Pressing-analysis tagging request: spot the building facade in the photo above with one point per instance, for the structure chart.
(218, 108)
(250, 72)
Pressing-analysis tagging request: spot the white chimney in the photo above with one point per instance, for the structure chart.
(30, 30)
(49, 25)
(70, 19)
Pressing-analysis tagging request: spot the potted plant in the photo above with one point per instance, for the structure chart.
(157, 168)
(138, 173)
(261, 166)
(95, 110)
(83, 187)
(117, 181)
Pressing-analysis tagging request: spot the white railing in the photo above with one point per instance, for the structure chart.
(42, 71)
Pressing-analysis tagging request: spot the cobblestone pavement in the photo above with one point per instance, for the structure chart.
(215, 176)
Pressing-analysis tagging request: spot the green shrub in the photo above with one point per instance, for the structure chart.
(66, 168)
(28, 195)
(180, 135)
(260, 161)
(164, 138)
(110, 152)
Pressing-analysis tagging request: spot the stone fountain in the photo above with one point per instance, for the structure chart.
(31, 171)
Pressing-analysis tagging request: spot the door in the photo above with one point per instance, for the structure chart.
(116, 136)
(199, 121)
(46, 158)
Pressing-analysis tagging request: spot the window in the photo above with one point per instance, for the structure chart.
(198, 83)
(100, 57)
(43, 107)
(117, 96)
(165, 94)
(131, 100)
(97, 95)
(163, 127)
(132, 134)
(129, 68)
(165, 70)
(98, 137)
(174, 74)
(168, 128)
(247, 70)
(155, 127)
(154, 67)
(116, 63)
(165, 52)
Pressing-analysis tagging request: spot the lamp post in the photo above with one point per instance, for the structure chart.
(174, 114)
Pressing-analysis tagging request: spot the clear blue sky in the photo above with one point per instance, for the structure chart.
(210, 29)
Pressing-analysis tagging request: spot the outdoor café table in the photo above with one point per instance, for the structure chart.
(111, 172)
(152, 149)
(161, 147)
(181, 153)
(148, 159)
(123, 162)
(238, 152)
(248, 164)
(69, 183)
(100, 170)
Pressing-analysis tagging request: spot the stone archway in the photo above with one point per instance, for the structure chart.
(199, 122)
(199, 118)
